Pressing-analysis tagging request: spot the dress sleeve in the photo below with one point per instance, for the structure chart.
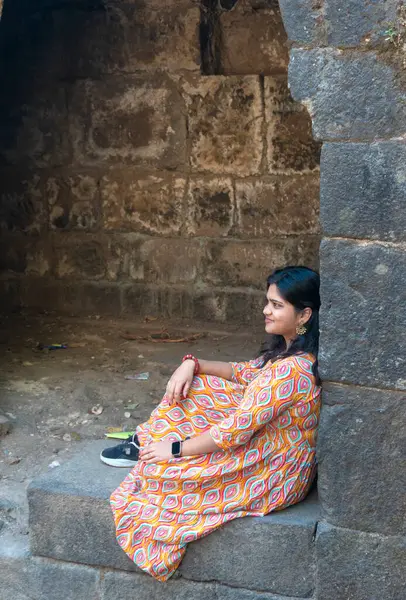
(244, 372)
(273, 392)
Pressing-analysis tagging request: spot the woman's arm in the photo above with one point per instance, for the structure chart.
(162, 451)
(216, 368)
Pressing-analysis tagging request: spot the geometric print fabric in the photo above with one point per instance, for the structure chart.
(265, 425)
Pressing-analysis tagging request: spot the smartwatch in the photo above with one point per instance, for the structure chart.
(176, 449)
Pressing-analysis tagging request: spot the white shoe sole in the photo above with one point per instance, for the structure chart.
(118, 462)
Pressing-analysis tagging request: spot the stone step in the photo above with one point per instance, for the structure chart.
(27, 577)
(70, 520)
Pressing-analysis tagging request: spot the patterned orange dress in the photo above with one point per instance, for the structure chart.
(265, 424)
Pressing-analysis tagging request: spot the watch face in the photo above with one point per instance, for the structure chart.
(176, 448)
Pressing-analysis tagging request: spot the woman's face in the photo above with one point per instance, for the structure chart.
(281, 317)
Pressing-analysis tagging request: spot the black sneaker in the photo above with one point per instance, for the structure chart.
(122, 455)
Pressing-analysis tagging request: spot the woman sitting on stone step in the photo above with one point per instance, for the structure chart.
(228, 440)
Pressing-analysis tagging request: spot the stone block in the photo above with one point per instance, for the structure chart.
(137, 201)
(279, 205)
(23, 577)
(225, 119)
(70, 520)
(36, 128)
(362, 430)
(248, 263)
(124, 257)
(21, 204)
(10, 295)
(210, 207)
(253, 39)
(304, 21)
(352, 564)
(290, 142)
(158, 300)
(79, 256)
(362, 314)
(373, 104)
(230, 593)
(283, 539)
(73, 201)
(173, 261)
(352, 22)
(100, 45)
(13, 253)
(364, 198)
(116, 586)
(245, 306)
(74, 499)
(129, 119)
(162, 35)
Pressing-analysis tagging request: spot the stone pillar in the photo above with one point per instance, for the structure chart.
(344, 71)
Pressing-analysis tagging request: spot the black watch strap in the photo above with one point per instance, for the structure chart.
(176, 449)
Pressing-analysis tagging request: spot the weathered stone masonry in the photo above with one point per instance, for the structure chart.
(345, 73)
(340, 68)
(132, 182)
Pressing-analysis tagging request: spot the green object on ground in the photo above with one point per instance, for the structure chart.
(119, 435)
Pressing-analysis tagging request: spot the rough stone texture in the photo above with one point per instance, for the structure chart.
(5, 425)
(162, 35)
(116, 586)
(23, 577)
(123, 257)
(304, 21)
(351, 22)
(278, 205)
(363, 308)
(35, 130)
(225, 119)
(68, 297)
(21, 254)
(364, 198)
(210, 207)
(138, 201)
(74, 498)
(10, 295)
(290, 143)
(249, 263)
(265, 553)
(21, 204)
(253, 39)
(73, 201)
(349, 95)
(172, 260)
(128, 119)
(372, 465)
(80, 257)
(230, 593)
(363, 566)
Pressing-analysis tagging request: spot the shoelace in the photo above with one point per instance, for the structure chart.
(131, 442)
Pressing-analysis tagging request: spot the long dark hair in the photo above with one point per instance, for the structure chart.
(300, 287)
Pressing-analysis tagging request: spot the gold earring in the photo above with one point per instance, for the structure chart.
(301, 330)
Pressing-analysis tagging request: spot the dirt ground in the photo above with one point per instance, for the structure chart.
(56, 399)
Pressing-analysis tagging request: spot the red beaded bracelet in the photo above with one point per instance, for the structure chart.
(191, 357)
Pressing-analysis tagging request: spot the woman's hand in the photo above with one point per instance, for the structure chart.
(156, 452)
(180, 382)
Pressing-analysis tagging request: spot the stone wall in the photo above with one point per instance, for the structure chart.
(151, 157)
(345, 69)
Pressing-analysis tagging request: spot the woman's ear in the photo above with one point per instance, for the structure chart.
(307, 313)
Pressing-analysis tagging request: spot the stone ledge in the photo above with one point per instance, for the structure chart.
(24, 577)
(276, 552)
